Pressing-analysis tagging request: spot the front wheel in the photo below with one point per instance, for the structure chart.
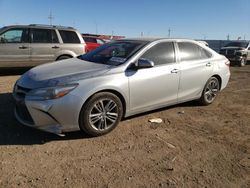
(210, 91)
(101, 114)
(243, 62)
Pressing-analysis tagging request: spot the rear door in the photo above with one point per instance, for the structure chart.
(44, 45)
(14, 48)
(196, 68)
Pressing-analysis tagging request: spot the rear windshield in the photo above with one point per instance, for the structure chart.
(114, 53)
(237, 44)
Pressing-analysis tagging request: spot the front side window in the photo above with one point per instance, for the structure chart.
(161, 53)
(190, 51)
(69, 37)
(14, 36)
(44, 36)
(114, 53)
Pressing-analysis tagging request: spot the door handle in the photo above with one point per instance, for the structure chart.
(208, 64)
(23, 47)
(175, 71)
(55, 47)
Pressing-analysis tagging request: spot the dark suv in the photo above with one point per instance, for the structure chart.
(238, 51)
(31, 45)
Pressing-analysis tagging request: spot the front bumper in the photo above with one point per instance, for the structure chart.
(55, 116)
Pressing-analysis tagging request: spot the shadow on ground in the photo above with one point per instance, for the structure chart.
(13, 71)
(14, 133)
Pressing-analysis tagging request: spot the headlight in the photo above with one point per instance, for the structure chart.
(51, 92)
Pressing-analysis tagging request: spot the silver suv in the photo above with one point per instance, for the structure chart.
(31, 45)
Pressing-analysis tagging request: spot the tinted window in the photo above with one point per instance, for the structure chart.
(54, 36)
(204, 53)
(190, 51)
(69, 37)
(14, 36)
(88, 39)
(161, 53)
(44, 36)
(237, 44)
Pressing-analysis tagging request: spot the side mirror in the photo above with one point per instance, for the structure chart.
(144, 63)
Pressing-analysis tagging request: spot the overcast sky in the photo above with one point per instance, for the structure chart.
(210, 19)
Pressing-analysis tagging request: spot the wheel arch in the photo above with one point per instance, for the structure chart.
(115, 92)
(219, 79)
(68, 55)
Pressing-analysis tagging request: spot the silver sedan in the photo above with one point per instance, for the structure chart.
(94, 91)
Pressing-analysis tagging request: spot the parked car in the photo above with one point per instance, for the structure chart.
(122, 78)
(237, 51)
(31, 45)
(92, 42)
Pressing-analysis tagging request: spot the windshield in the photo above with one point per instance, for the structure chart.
(114, 53)
(237, 44)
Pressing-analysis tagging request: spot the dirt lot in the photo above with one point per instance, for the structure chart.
(195, 146)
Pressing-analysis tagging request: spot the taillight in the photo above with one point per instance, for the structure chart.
(227, 63)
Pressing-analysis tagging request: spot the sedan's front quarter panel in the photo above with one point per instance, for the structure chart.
(114, 83)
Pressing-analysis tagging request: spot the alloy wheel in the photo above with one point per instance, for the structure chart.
(211, 90)
(103, 114)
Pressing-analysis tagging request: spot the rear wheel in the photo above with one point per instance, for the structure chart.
(210, 91)
(101, 114)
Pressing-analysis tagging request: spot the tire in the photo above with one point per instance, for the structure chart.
(101, 114)
(210, 91)
(243, 62)
(63, 57)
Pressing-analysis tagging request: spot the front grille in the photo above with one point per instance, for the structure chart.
(21, 109)
(21, 91)
(23, 113)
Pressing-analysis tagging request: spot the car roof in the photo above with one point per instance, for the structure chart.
(152, 39)
(41, 26)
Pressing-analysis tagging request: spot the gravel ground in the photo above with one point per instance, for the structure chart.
(194, 146)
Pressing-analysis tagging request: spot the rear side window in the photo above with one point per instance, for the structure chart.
(69, 37)
(161, 53)
(88, 39)
(99, 41)
(44, 36)
(190, 51)
(16, 35)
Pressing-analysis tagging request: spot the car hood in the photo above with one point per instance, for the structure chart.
(61, 72)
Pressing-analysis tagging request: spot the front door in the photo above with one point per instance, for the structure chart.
(155, 87)
(14, 48)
